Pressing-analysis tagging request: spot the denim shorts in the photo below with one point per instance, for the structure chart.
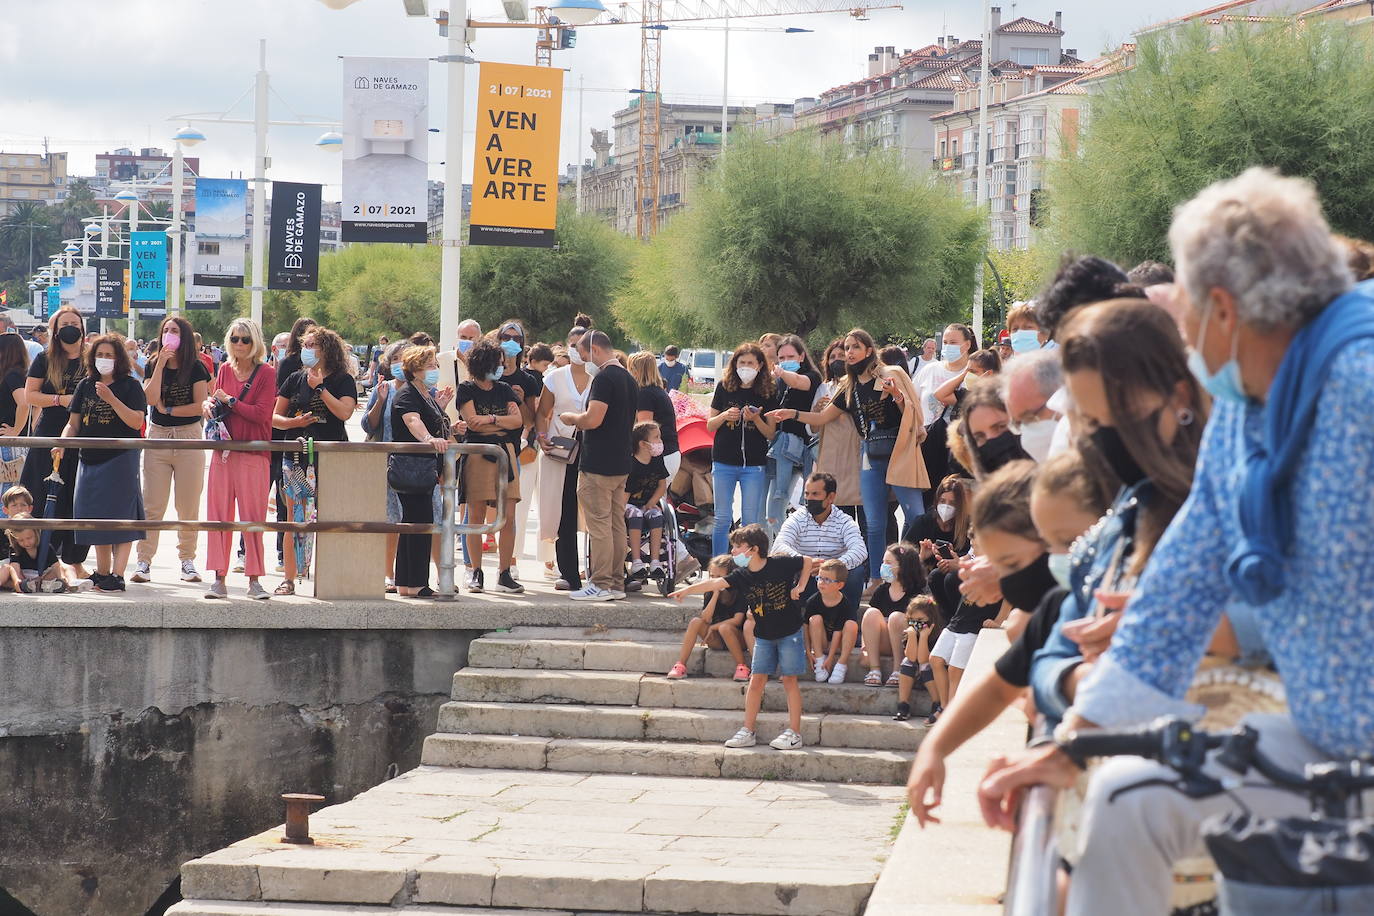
(784, 657)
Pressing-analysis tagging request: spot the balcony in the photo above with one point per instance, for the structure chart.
(1030, 149)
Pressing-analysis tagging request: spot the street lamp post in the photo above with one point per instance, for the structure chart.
(984, 149)
(450, 259)
(187, 136)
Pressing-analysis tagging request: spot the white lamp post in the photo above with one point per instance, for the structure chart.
(980, 189)
(187, 136)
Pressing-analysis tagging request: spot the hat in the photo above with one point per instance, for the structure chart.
(512, 326)
(1004, 339)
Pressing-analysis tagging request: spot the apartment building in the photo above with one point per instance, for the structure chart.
(145, 165)
(28, 177)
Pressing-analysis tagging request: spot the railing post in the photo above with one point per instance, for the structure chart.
(447, 527)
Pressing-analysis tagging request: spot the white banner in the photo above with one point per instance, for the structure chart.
(84, 298)
(198, 296)
(386, 149)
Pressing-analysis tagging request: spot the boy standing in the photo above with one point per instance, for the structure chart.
(831, 622)
(771, 587)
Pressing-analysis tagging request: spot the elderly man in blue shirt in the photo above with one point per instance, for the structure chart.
(1272, 534)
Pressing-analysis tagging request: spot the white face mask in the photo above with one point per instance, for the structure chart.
(575, 358)
(670, 360)
(945, 511)
(592, 368)
(104, 365)
(746, 375)
(1037, 437)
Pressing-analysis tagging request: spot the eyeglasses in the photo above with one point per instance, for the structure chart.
(240, 340)
(1030, 416)
(827, 580)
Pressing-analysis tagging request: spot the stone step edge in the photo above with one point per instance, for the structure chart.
(284, 908)
(814, 725)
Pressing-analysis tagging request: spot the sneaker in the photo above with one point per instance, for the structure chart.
(821, 673)
(83, 585)
(257, 592)
(475, 582)
(505, 582)
(656, 572)
(743, 738)
(515, 574)
(109, 583)
(592, 593)
(677, 672)
(837, 676)
(52, 586)
(238, 565)
(616, 595)
(562, 585)
(934, 714)
(741, 672)
(639, 570)
(217, 590)
(550, 572)
(280, 567)
(903, 712)
(188, 571)
(787, 741)
(142, 573)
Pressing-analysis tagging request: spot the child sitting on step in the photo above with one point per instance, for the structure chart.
(924, 623)
(832, 623)
(770, 587)
(22, 572)
(720, 625)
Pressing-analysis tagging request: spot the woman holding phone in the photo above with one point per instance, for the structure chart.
(740, 418)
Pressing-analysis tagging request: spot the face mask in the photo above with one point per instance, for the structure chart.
(464, 345)
(887, 572)
(746, 375)
(1025, 341)
(1036, 438)
(669, 361)
(790, 365)
(398, 372)
(281, 353)
(69, 334)
(592, 368)
(104, 366)
(431, 378)
(836, 368)
(656, 449)
(740, 559)
(1224, 384)
(1059, 568)
(815, 507)
(575, 358)
(945, 511)
(171, 340)
(494, 376)
(1114, 452)
(309, 358)
(1024, 588)
(951, 353)
(511, 348)
(1005, 449)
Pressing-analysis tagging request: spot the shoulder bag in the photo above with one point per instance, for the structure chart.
(414, 473)
(565, 449)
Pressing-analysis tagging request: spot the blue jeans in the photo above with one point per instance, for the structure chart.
(784, 657)
(724, 479)
(782, 478)
(873, 487)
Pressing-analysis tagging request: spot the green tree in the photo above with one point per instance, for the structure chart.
(546, 288)
(29, 226)
(801, 235)
(1197, 108)
(79, 204)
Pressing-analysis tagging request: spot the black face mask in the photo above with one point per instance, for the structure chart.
(1108, 442)
(69, 335)
(836, 368)
(815, 507)
(1026, 587)
(1004, 449)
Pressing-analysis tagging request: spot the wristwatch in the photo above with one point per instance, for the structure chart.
(233, 402)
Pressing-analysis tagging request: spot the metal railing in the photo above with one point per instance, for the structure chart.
(1032, 875)
(447, 527)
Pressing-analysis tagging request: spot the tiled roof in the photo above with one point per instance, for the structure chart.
(1073, 86)
(1024, 26)
(927, 51)
(941, 79)
(1200, 14)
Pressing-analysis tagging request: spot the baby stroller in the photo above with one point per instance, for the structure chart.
(675, 563)
(690, 493)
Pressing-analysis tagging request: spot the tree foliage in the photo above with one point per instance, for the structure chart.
(800, 234)
(547, 288)
(1199, 107)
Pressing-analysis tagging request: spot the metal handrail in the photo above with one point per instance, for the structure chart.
(447, 527)
(1033, 871)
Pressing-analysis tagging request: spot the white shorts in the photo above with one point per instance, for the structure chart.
(955, 648)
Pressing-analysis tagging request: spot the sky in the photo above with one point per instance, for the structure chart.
(119, 70)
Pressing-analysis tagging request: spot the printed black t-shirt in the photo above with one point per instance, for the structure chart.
(494, 402)
(302, 399)
(642, 481)
(177, 394)
(768, 596)
(99, 420)
(874, 409)
(739, 442)
(798, 399)
(54, 419)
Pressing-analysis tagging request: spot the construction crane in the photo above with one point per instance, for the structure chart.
(653, 16)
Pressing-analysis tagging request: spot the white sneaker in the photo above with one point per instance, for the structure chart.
(837, 676)
(592, 593)
(743, 738)
(821, 673)
(188, 571)
(142, 572)
(616, 595)
(787, 741)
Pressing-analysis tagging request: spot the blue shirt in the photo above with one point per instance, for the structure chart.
(1319, 630)
(672, 375)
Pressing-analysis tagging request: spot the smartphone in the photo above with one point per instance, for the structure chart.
(945, 549)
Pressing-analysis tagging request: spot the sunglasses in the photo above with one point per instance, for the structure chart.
(240, 340)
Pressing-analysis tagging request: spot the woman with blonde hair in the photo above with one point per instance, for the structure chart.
(654, 404)
(242, 400)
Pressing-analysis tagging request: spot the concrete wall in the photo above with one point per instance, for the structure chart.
(124, 752)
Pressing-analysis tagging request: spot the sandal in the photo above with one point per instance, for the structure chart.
(741, 672)
(679, 670)
(874, 678)
(892, 679)
(286, 588)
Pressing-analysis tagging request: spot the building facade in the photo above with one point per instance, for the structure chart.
(148, 164)
(32, 177)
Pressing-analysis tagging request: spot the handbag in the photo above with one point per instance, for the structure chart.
(563, 449)
(879, 443)
(412, 473)
(216, 429)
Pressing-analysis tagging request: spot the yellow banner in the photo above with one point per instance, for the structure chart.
(515, 168)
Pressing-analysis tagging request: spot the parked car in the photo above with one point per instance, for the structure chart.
(705, 366)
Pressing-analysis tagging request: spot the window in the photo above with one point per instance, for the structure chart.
(20, 192)
(1030, 57)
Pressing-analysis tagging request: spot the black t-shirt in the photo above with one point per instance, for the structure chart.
(768, 596)
(926, 527)
(606, 449)
(834, 617)
(968, 618)
(739, 442)
(303, 399)
(798, 399)
(54, 419)
(12, 382)
(643, 480)
(99, 420)
(287, 366)
(655, 399)
(874, 409)
(410, 400)
(1014, 665)
(882, 600)
(25, 559)
(176, 394)
(726, 600)
(492, 403)
(531, 385)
